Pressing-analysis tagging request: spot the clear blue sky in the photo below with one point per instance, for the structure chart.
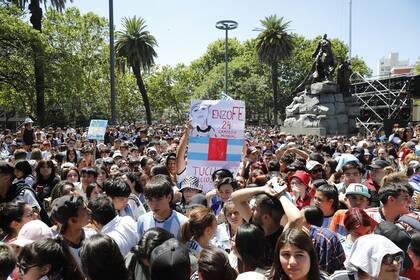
(184, 28)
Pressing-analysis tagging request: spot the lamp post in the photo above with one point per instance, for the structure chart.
(112, 62)
(226, 25)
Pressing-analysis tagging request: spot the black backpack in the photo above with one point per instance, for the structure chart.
(20, 188)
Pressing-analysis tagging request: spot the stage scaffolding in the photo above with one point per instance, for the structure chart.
(382, 99)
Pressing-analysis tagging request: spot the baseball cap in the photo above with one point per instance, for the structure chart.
(28, 120)
(379, 164)
(344, 159)
(303, 176)
(366, 152)
(170, 260)
(67, 165)
(358, 189)
(65, 207)
(32, 231)
(311, 164)
(151, 149)
(170, 156)
(116, 154)
(253, 150)
(190, 182)
(197, 200)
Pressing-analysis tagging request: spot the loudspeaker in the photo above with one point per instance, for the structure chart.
(415, 87)
(416, 109)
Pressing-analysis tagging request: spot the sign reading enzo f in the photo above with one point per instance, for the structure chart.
(216, 139)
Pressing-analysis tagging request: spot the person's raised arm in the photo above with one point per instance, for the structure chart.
(182, 149)
(241, 200)
(293, 215)
(298, 152)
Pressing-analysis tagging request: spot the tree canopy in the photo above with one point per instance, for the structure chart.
(77, 73)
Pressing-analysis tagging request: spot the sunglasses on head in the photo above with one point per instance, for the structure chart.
(23, 268)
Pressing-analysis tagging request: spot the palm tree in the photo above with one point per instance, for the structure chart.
(39, 62)
(274, 44)
(136, 45)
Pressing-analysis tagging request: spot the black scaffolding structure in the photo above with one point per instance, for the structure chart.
(384, 99)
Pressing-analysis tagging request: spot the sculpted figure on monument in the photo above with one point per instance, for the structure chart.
(344, 72)
(323, 66)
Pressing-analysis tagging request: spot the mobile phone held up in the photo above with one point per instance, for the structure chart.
(276, 186)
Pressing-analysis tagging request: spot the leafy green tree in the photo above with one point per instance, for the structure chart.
(136, 45)
(417, 67)
(16, 63)
(170, 92)
(77, 83)
(274, 44)
(36, 12)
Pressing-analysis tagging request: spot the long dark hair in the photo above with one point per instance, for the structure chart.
(76, 159)
(214, 264)
(301, 240)
(102, 260)
(51, 252)
(42, 163)
(250, 245)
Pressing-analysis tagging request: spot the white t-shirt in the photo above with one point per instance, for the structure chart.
(124, 232)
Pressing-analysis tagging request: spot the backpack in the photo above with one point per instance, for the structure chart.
(22, 187)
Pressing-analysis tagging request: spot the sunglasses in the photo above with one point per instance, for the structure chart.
(23, 269)
(389, 259)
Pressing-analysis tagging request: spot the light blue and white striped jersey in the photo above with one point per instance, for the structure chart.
(172, 224)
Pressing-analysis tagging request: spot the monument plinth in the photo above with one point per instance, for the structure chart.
(321, 110)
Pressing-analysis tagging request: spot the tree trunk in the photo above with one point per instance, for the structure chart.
(142, 88)
(36, 18)
(274, 78)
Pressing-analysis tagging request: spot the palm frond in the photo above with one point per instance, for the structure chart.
(274, 43)
(136, 44)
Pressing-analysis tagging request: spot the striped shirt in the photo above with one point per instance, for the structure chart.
(172, 224)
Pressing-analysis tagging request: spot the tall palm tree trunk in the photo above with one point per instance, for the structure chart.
(274, 79)
(142, 88)
(39, 65)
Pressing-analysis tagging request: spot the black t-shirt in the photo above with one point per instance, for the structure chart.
(270, 244)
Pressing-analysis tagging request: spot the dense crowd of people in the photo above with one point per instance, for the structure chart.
(298, 207)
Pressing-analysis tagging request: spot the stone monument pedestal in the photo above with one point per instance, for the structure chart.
(321, 111)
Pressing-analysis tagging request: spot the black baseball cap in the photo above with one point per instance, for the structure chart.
(197, 200)
(379, 164)
(170, 260)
